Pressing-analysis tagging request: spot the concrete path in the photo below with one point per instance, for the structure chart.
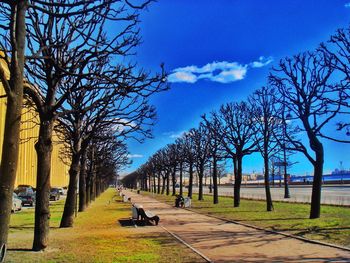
(221, 241)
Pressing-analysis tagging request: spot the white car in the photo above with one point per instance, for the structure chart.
(62, 190)
(16, 203)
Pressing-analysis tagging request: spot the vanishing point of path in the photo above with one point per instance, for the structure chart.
(222, 241)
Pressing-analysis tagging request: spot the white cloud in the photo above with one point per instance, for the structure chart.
(262, 62)
(135, 155)
(230, 75)
(121, 124)
(223, 72)
(347, 5)
(174, 135)
(182, 77)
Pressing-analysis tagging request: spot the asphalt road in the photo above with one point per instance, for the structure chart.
(336, 195)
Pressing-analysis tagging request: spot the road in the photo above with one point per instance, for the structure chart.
(335, 195)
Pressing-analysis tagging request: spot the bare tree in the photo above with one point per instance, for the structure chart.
(338, 47)
(180, 149)
(174, 160)
(111, 157)
(215, 149)
(95, 108)
(189, 155)
(201, 143)
(157, 160)
(236, 127)
(163, 168)
(264, 104)
(149, 169)
(64, 40)
(12, 45)
(312, 100)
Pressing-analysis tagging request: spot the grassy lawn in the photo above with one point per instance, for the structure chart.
(332, 227)
(96, 236)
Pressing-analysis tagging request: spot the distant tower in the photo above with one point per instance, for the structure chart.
(341, 168)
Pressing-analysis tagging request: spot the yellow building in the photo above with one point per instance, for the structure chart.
(27, 163)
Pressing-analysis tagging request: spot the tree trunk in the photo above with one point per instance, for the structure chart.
(88, 189)
(92, 189)
(98, 186)
(88, 197)
(238, 182)
(92, 175)
(158, 186)
(10, 150)
(210, 178)
(215, 181)
(181, 186)
(145, 182)
(154, 184)
(167, 183)
(173, 179)
(286, 186)
(163, 184)
(200, 177)
(70, 204)
(269, 205)
(317, 183)
(42, 211)
(93, 184)
(10, 146)
(149, 183)
(190, 183)
(82, 182)
(234, 161)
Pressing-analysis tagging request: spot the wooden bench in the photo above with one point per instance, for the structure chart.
(125, 198)
(139, 214)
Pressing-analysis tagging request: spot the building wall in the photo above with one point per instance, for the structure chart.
(27, 163)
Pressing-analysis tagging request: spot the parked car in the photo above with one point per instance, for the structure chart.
(24, 188)
(28, 197)
(16, 203)
(54, 194)
(62, 190)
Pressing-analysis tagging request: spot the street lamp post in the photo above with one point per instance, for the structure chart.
(286, 187)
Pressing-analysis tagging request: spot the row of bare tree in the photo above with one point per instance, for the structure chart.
(306, 101)
(76, 75)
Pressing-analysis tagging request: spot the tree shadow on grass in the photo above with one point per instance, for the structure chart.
(127, 222)
(225, 209)
(271, 219)
(119, 209)
(29, 227)
(21, 249)
(315, 229)
(20, 227)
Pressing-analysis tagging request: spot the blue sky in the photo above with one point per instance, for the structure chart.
(221, 51)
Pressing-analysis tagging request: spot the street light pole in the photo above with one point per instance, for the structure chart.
(286, 187)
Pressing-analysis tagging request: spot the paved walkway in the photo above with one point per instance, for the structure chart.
(221, 241)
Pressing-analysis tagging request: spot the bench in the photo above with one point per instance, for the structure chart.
(183, 202)
(187, 202)
(139, 214)
(125, 198)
